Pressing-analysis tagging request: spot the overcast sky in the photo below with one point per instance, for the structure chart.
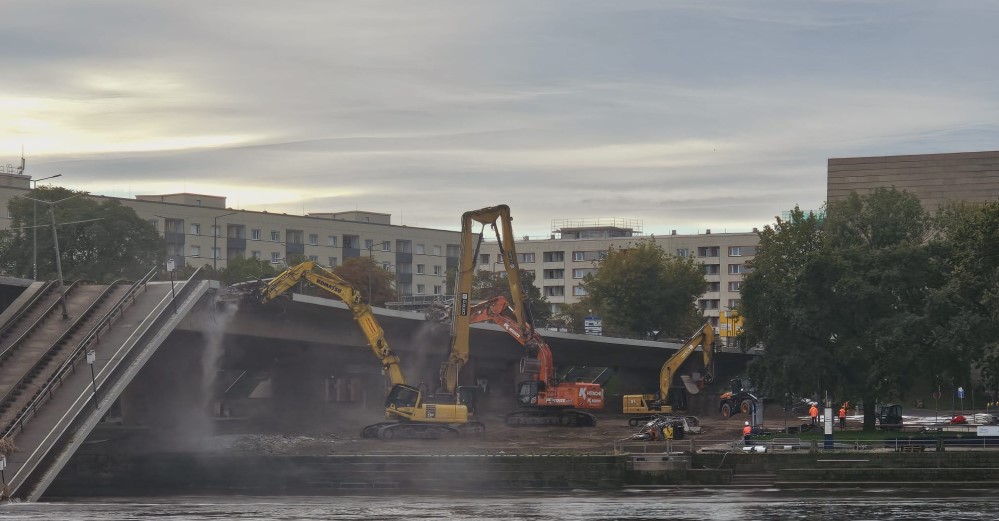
(685, 115)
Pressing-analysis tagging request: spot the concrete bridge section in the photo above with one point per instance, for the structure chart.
(181, 368)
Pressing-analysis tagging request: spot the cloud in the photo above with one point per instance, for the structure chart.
(687, 115)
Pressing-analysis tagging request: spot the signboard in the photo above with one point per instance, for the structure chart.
(988, 430)
(170, 265)
(960, 392)
(91, 356)
(593, 325)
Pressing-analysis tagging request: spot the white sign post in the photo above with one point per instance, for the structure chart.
(91, 358)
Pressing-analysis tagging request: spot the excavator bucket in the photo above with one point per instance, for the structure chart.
(692, 382)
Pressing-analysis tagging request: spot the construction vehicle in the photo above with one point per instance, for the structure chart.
(410, 413)
(739, 399)
(890, 417)
(544, 400)
(646, 405)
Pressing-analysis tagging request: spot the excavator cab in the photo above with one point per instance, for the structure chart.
(527, 392)
(402, 396)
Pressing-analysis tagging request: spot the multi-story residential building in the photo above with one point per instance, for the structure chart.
(200, 229)
(575, 248)
(935, 179)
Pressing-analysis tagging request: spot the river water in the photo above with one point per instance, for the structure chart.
(665, 504)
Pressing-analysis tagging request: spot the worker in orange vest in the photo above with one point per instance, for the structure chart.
(813, 412)
(842, 417)
(746, 432)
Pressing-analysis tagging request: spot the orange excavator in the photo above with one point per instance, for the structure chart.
(543, 399)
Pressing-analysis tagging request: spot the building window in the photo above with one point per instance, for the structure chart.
(453, 250)
(314, 258)
(215, 253)
(714, 286)
(554, 291)
(484, 258)
(579, 291)
(386, 246)
(437, 251)
(331, 262)
(734, 251)
(421, 269)
(368, 244)
(216, 231)
(733, 303)
(255, 234)
(387, 266)
(554, 274)
(683, 252)
(275, 236)
(735, 285)
(708, 251)
(553, 256)
(275, 257)
(706, 304)
(579, 256)
(348, 241)
(155, 223)
(331, 241)
(195, 229)
(735, 269)
(314, 239)
(711, 269)
(525, 258)
(438, 270)
(255, 254)
(438, 289)
(420, 289)
(421, 249)
(195, 250)
(578, 273)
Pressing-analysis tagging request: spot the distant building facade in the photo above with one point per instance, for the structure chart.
(199, 229)
(935, 179)
(576, 247)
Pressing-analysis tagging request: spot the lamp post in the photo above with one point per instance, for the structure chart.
(34, 233)
(215, 240)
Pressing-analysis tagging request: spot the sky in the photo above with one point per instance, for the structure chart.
(683, 115)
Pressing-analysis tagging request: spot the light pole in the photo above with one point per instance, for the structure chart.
(34, 233)
(215, 240)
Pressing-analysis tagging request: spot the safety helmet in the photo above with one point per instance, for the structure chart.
(747, 423)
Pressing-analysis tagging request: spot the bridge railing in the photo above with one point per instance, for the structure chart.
(79, 353)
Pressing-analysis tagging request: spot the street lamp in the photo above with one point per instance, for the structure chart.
(55, 240)
(34, 233)
(215, 240)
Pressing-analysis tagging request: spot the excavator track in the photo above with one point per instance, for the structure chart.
(552, 417)
(426, 431)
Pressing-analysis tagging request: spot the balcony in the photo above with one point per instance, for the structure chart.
(233, 243)
(174, 237)
(292, 248)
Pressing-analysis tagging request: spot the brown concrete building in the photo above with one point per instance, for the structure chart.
(935, 178)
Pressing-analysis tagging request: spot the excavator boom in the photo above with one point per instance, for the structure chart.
(653, 403)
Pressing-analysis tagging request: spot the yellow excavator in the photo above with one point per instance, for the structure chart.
(410, 414)
(646, 405)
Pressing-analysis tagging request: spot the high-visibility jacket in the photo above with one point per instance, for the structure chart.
(747, 430)
(842, 412)
(813, 412)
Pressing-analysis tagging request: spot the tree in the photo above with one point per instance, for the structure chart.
(966, 308)
(571, 317)
(368, 277)
(101, 242)
(242, 269)
(487, 284)
(645, 291)
(842, 307)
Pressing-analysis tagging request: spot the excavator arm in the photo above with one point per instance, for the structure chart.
(498, 217)
(332, 283)
(498, 311)
(705, 337)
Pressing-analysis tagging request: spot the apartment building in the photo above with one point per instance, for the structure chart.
(575, 248)
(200, 229)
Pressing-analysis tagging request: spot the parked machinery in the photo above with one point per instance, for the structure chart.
(410, 414)
(739, 399)
(645, 405)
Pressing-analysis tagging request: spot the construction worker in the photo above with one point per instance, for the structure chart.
(813, 413)
(842, 417)
(746, 432)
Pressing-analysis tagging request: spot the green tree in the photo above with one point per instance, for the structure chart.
(842, 308)
(242, 269)
(487, 284)
(367, 276)
(645, 291)
(571, 316)
(101, 242)
(966, 307)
